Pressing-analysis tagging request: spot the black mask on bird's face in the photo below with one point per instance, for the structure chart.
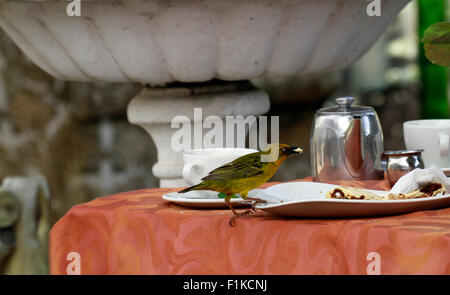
(282, 151)
(289, 150)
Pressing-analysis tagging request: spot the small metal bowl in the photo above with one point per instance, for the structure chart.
(398, 163)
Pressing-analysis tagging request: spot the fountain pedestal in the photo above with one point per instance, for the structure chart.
(155, 109)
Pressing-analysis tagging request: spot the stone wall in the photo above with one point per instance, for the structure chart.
(75, 134)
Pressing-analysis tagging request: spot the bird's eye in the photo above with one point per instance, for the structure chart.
(283, 149)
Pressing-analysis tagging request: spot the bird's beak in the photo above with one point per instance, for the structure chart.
(296, 150)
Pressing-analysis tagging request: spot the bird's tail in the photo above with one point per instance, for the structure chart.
(199, 186)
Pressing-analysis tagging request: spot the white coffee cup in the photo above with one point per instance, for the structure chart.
(433, 137)
(197, 163)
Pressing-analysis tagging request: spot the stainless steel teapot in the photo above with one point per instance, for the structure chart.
(346, 143)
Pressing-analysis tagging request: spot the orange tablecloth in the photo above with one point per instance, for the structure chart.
(139, 233)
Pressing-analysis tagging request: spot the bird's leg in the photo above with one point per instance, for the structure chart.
(235, 213)
(227, 201)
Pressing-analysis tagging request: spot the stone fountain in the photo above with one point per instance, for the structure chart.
(192, 53)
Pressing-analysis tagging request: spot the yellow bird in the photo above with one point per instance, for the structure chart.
(245, 173)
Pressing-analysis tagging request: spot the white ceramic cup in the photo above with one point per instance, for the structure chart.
(433, 137)
(197, 163)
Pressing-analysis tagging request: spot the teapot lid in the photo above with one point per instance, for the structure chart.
(344, 107)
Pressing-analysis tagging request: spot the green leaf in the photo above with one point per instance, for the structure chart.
(223, 195)
(437, 43)
(438, 32)
(438, 54)
(444, 39)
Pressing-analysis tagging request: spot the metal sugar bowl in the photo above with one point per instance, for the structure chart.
(399, 163)
(346, 143)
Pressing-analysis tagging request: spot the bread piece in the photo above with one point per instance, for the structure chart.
(352, 193)
(426, 191)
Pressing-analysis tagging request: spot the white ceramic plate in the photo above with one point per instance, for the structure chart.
(205, 199)
(307, 199)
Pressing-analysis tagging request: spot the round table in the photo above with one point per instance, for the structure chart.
(138, 232)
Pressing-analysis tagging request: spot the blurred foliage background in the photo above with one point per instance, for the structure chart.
(77, 134)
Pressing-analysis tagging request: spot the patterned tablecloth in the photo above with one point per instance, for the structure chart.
(140, 233)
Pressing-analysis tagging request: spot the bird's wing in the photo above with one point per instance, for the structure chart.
(243, 167)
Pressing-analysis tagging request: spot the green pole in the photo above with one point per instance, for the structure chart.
(433, 77)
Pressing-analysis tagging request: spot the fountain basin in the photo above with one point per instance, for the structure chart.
(161, 41)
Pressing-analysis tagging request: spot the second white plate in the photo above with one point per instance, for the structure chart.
(307, 199)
